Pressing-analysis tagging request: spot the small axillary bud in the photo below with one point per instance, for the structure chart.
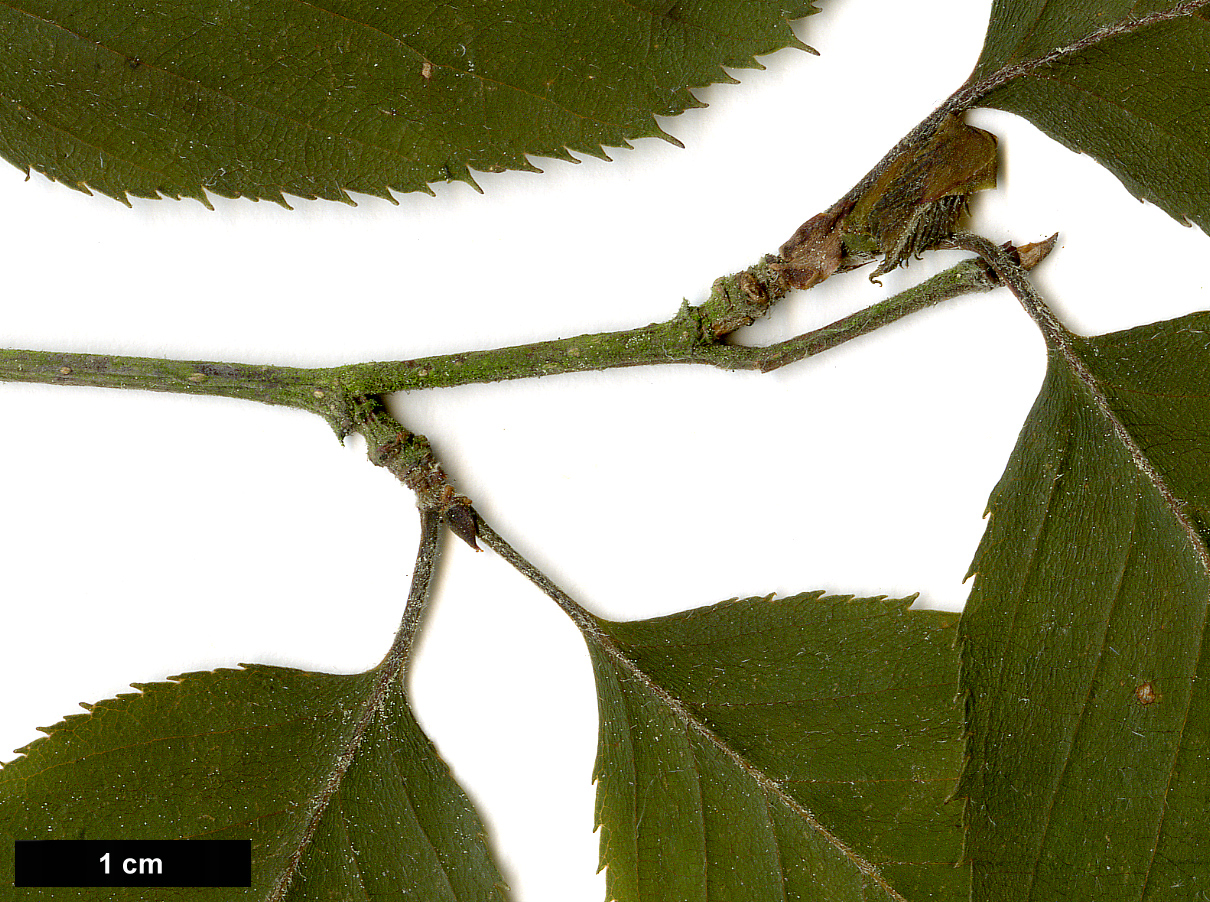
(913, 205)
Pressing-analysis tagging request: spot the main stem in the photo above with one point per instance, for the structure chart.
(690, 337)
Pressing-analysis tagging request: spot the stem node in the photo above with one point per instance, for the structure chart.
(410, 458)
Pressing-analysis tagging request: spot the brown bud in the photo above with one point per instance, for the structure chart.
(815, 251)
(913, 205)
(1030, 255)
(464, 523)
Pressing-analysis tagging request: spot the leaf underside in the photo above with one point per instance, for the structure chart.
(800, 748)
(1134, 101)
(250, 754)
(183, 97)
(1083, 641)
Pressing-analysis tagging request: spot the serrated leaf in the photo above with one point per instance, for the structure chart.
(181, 97)
(801, 748)
(1083, 641)
(329, 776)
(1122, 81)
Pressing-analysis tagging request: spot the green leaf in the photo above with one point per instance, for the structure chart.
(179, 97)
(1084, 638)
(330, 777)
(803, 748)
(1120, 80)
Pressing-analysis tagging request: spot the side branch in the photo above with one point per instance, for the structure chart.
(410, 458)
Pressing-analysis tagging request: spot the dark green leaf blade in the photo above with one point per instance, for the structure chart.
(798, 748)
(1083, 641)
(1124, 82)
(179, 97)
(329, 776)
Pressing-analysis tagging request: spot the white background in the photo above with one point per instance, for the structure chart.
(144, 535)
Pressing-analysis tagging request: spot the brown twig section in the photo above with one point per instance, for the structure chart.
(410, 458)
(969, 95)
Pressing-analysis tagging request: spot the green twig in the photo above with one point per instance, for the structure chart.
(696, 335)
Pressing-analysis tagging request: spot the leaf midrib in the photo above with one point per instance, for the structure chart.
(376, 698)
(1196, 148)
(971, 93)
(403, 785)
(814, 699)
(1060, 342)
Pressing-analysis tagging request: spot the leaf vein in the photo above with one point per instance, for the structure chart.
(1177, 750)
(411, 802)
(230, 99)
(342, 819)
(763, 780)
(1082, 719)
(811, 699)
(781, 865)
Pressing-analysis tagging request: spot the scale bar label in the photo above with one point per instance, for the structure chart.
(150, 862)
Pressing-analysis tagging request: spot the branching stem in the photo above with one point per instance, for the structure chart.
(696, 335)
(1011, 273)
(410, 458)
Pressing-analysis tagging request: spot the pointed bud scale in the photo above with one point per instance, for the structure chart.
(913, 205)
